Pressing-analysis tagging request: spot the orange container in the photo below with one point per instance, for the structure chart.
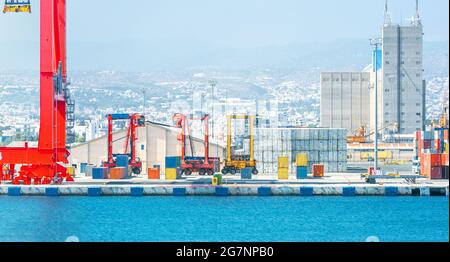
(444, 160)
(117, 173)
(433, 160)
(318, 170)
(154, 173)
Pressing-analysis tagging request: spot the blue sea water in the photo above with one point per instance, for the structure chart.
(224, 219)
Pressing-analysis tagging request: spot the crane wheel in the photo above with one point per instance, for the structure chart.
(225, 171)
(202, 172)
(137, 171)
(210, 172)
(233, 171)
(187, 172)
(255, 171)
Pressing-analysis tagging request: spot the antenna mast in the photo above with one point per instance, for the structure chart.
(416, 19)
(387, 15)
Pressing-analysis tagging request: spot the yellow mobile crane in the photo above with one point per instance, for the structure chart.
(234, 163)
(17, 6)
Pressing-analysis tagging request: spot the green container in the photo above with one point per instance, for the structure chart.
(219, 177)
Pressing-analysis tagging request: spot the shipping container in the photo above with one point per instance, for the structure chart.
(83, 168)
(100, 173)
(302, 160)
(246, 173)
(283, 173)
(434, 160)
(426, 144)
(118, 173)
(444, 172)
(173, 161)
(283, 162)
(302, 172)
(122, 161)
(318, 170)
(436, 173)
(71, 170)
(444, 160)
(172, 174)
(154, 173)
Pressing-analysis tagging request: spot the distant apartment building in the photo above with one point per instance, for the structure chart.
(402, 93)
(345, 100)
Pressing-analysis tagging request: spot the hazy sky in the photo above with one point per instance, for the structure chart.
(227, 23)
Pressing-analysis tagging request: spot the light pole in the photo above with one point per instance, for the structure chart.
(143, 102)
(376, 42)
(213, 84)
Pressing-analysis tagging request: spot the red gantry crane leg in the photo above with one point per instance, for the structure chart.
(44, 164)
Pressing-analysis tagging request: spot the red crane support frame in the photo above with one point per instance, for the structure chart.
(43, 165)
(130, 139)
(181, 121)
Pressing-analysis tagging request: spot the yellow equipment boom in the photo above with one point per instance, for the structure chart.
(17, 6)
(232, 164)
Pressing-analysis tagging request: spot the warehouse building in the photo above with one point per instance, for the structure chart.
(155, 142)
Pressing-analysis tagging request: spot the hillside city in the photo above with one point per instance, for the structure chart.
(294, 98)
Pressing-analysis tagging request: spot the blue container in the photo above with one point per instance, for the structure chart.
(246, 173)
(99, 173)
(83, 168)
(122, 161)
(173, 161)
(302, 172)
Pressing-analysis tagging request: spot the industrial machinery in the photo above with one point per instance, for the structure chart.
(443, 119)
(234, 163)
(136, 121)
(17, 6)
(203, 165)
(46, 163)
(361, 135)
(358, 137)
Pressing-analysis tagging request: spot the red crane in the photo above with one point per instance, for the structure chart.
(136, 121)
(202, 165)
(45, 164)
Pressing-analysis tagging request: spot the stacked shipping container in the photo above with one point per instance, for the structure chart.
(432, 148)
(322, 146)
